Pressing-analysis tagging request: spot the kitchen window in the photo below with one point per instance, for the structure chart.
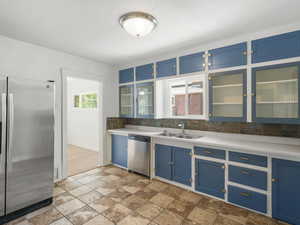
(85, 101)
(181, 98)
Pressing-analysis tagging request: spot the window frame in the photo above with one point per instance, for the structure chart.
(195, 78)
(80, 101)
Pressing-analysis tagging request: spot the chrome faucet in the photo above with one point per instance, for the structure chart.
(182, 126)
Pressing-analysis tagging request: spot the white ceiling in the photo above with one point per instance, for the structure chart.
(90, 28)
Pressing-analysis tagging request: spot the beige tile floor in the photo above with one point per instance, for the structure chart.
(80, 160)
(109, 196)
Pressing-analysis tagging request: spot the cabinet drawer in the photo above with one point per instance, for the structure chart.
(248, 159)
(248, 199)
(210, 152)
(250, 177)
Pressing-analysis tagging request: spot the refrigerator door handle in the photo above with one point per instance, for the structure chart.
(3, 130)
(10, 130)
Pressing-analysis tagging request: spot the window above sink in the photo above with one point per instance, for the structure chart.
(182, 97)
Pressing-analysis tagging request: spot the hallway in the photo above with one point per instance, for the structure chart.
(81, 160)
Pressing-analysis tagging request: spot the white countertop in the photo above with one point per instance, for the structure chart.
(276, 147)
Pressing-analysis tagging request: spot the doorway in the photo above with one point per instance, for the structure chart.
(83, 125)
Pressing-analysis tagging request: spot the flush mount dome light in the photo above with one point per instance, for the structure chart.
(138, 24)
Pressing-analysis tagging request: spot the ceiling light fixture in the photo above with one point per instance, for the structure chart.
(138, 24)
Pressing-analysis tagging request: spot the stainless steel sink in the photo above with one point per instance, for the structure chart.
(183, 136)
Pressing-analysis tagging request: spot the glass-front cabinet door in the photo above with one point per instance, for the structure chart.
(276, 93)
(126, 101)
(228, 96)
(145, 100)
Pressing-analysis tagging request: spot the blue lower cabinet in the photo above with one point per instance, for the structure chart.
(210, 178)
(249, 177)
(119, 150)
(248, 199)
(251, 159)
(285, 190)
(210, 152)
(163, 161)
(182, 165)
(173, 163)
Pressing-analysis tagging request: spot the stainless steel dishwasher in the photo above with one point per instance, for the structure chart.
(139, 154)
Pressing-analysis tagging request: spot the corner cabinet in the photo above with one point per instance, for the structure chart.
(173, 163)
(275, 97)
(228, 96)
(229, 56)
(210, 178)
(145, 100)
(126, 98)
(285, 190)
(119, 149)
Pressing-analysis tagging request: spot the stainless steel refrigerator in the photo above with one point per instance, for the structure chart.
(27, 146)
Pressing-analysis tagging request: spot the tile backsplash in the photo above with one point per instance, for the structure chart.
(279, 130)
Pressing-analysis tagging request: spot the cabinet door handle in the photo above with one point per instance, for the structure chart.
(245, 194)
(244, 158)
(245, 172)
(207, 152)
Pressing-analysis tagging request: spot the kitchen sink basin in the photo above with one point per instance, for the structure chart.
(183, 136)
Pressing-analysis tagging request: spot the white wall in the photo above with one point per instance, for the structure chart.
(26, 60)
(83, 123)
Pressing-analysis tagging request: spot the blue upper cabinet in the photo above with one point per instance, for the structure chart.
(275, 97)
(276, 47)
(229, 56)
(228, 96)
(285, 190)
(145, 100)
(182, 171)
(126, 75)
(163, 161)
(192, 63)
(126, 100)
(144, 72)
(210, 177)
(166, 68)
(119, 150)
